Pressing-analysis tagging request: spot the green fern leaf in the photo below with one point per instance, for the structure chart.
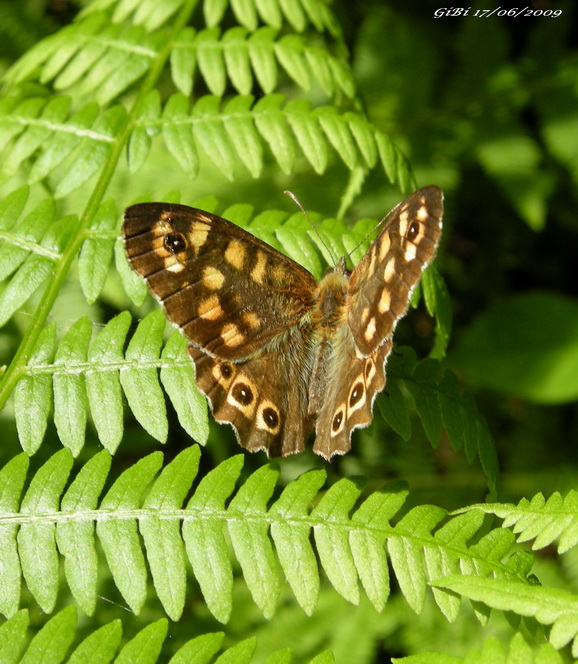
(177, 377)
(307, 132)
(249, 535)
(103, 385)
(333, 543)
(53, 640)
(97, 250)
(239, 126)
(198, 650)
(204, 539)
(539, 519)
(37, 537)
(140, 382)
(367, 542)
(146, 646)
(291, 534)
(33, 393)
(13, 636)
(405, 552)
(549, 606)
(119, 537)
(99, 647)
(70, 403)
(164, 547)
(270, 121)
(12, 478)
(75, 537)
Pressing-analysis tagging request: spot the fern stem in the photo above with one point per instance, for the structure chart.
(22, 355)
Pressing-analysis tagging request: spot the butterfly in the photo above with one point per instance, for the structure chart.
(276, 352)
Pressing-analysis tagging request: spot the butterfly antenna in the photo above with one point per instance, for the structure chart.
(298, 203)
(366, 237)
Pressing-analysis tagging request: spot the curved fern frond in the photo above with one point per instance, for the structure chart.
(491, 652)
(94, 58)
(55, 642)
(541, 520)
(549, 606)
(355, 542)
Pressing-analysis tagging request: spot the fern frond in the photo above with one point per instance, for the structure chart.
(441, 406)
(94, 58)
(541, 520)
(350, 548)
(89, 375)
(54, 641)
(492, 652)
(549, 606)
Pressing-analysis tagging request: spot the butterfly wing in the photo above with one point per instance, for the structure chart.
(229, 292)
(379, 290)
(381, 284)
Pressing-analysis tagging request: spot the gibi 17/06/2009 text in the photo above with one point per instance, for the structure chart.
(514, 12)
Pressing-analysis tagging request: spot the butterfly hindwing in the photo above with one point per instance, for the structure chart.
(252, 397)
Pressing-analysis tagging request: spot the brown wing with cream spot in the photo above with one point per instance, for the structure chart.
(351, 391)
(381, 284)
(229, 292)
(263, 399)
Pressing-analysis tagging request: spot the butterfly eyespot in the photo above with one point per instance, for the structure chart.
(413, 231)
(356, 393)
(270, 418)
(243, 394)
(226, 370)
(337, 421)
(175, 243)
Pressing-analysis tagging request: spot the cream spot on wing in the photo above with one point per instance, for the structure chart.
(279, 273)
(410, 252)
(174, 266)
(258, 272)
(370, 330)
(403, 218)
(210, 308)
(384, 247)
(384, 301)
(212, 278)
(389, 271)
(235, 254)
(198, 234)
(232, 336)
(268, 417)
(162, 226)
(364, 315)
(251, 320)
(370, 371)
(422, 214)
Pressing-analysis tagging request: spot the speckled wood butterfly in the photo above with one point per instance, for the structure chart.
(276, 352)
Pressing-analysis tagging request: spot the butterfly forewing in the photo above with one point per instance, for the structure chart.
(228, 291)
(382, 283)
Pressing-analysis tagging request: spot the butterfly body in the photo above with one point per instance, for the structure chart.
(276, 352)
